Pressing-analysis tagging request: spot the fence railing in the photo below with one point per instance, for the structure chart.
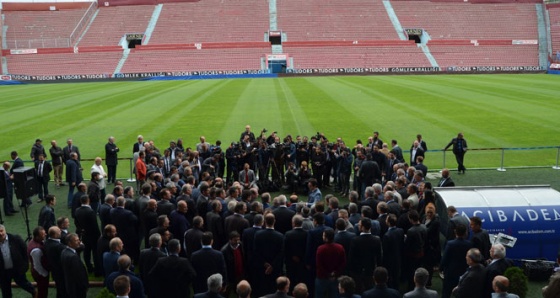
(75, 35)
(38, 43)
(476, 158)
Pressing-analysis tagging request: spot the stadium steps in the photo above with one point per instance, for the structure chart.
(273, 12)
(122, 61)
(152, 24)
(543, 41)
(87, 27)
(429, 55)
(394, 19)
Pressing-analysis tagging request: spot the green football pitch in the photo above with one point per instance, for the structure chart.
(493, 111)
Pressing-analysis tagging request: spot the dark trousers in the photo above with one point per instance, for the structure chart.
(8, 201)
(70, 194)
(6, 282)
(42, 284)
(111, 173)
(42, 187)
(460, 157)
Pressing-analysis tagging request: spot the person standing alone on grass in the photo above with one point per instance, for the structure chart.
(459, 149)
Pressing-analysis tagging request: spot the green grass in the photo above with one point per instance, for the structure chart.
(492, 110)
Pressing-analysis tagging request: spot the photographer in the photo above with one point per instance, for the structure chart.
(277, 162)
(302, 151)
(264, 155)
(304, 174)
(344, 170)
(292, 178)
(318, 160)
(289, 151)
(232, 156)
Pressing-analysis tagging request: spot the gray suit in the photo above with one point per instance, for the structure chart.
(421, 293)
(251, 177)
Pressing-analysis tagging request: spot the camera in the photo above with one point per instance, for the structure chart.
(264, 130)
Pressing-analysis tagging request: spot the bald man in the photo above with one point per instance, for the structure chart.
(500, 284)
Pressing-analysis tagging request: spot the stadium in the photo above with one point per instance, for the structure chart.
(343, 69)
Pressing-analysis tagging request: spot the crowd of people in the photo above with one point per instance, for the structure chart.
(184, 226)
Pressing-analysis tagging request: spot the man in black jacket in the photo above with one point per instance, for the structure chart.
(13, 263)
(111, 160)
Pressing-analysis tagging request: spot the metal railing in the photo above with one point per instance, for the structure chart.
(75, 35)
(38, 43)
(491, 159)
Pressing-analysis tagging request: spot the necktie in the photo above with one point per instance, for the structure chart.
(41, 170)
(246, 177)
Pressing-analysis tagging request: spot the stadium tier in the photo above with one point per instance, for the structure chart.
(212, 21)
(554, 13)
(112, 23)
(469, 21)
(334, 20)
(217, 35)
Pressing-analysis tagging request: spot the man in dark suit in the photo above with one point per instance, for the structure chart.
(37, 149)
(421, 277)
(415, 151)
(314, 240)
(471, 283)
(172, 276)
(47, 218)
(138, 145)
(127, 226)
(269, 254)
(366, 253)
(497, 266)
(9, 190)
(381, 290)
(74, 271)
(235, 262)
(445, 180)
(452, 262)
(53, 249)
(66, 151)
(13, 263)
(282, 288)
(393, 243)
(18, 162)
(73, 175)
(215, 224)
(206, 261)
(455, 219)
(370, 173)
(247, 240)
(147, 260)
(420, 166)
(105, 210)
(344, 236)
(87, 227)
(111, 160)
(236, 221)
(214, 283)
(283, 216)
(43, 169)
(295, 241)
(459, 149)
(414, 245)
(136, 285)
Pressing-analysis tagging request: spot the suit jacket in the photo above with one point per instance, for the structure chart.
(110, 262)
(314, 240)
(205, 262)
(455, 142)
(18, 250)
(215, 224)
(422, 167)
(392, 244)
(421, 293)
(47, 169)
(235, 222)
(381, 292)
(419, 152)
(111, 151)
(446, 182)
(251, 176)
(36, 150)
(56, 155)
(453, 261)
(53, 251)
(192, 240)
(344, 238)
(295, 241)
(454, 222)
(278, 294)
(247, 241)
(127, 225)
(283, 217)
(66, 153)
(172, 277)
(366, 253)
(18, 163)
(136, 285)
(471, 284)
(105, 215)
(86, 224)
(75, 274)
(73, 172)
(493, 269)
(165, 207)
(148, 258)
(208, 294)
(268, 247)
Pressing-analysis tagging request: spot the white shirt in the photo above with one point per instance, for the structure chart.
(99, 169)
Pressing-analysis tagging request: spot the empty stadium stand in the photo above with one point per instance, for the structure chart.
(41, 29)
(212, 21)
(334, 20)
(554, 13)
(454, 20)
(112, 23)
